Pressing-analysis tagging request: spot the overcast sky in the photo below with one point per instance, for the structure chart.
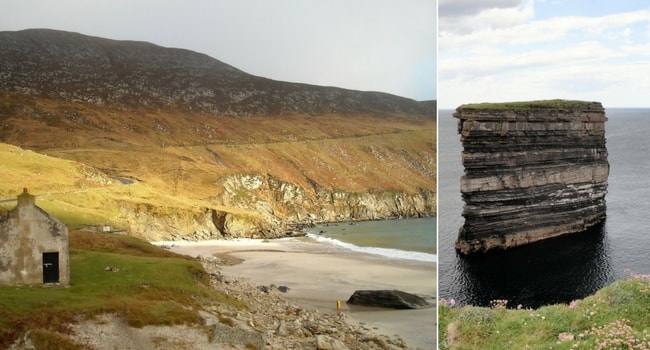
(377, 45)
(514, 50)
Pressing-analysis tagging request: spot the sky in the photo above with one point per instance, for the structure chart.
(372, 45)
(519, 50)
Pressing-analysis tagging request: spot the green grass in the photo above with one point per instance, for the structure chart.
(528, 105)
(151, 287)
(615, 317)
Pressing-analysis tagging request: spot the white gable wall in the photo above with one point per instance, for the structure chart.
(26, 232)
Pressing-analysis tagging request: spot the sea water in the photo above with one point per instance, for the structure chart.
(409, 242)
(557, 270)
(403, 239)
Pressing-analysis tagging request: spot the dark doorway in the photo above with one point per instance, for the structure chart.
(51, 267)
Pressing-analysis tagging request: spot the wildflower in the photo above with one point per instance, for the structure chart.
(499, 303)
(452, 302)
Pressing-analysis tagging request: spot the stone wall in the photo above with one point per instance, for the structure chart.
(533, 171)
(26, 232)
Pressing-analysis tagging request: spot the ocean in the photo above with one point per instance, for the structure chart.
(403, 242)
(403, 239)
(558, 270)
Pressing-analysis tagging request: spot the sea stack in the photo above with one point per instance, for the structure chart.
(533, 170)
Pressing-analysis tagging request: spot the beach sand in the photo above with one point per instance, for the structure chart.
(318, 276)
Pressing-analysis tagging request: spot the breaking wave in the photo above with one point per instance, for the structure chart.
(384, 252)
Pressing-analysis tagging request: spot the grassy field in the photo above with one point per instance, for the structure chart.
(151, 286)
(616, 317)
(527, 105)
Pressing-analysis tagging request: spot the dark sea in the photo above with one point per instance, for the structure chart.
(558, 270)
(404, 239)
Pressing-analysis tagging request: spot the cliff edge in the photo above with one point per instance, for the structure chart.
(533, 170)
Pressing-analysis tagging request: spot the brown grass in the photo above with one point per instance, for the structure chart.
(179, 160)
(47, 340)
(119, 245)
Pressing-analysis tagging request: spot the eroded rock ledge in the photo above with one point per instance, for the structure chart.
(533, 170)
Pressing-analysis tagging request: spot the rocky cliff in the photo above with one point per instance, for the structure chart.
(262, 206)
(533, 170)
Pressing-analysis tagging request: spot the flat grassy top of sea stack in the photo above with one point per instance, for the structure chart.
(527, 105)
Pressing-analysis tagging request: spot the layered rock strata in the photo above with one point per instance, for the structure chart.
(533, 170)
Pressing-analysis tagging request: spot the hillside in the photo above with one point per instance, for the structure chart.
(129, 294)
(79, 68)
(208, 150)
(615, 317)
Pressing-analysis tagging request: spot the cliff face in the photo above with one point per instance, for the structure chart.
(533, 171)
(273, 196)
(262, 206)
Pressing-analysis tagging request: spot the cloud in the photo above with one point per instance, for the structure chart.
(538, 31)
(559, 57)
(458, 8)
(613, 84)
(498, 62)
(483, 14)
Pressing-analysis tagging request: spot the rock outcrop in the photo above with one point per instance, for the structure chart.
(273, 197)
(263, 206)
(533, 170)
(395, 299)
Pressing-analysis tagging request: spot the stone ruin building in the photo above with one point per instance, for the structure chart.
(33, 246)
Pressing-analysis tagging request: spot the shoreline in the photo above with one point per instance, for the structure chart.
(317, 276)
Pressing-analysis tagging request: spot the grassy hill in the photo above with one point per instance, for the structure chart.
(75, 169)
(151, 287)
(616, 317)
(205, 150)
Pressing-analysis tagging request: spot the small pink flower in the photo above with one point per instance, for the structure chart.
(452, 302)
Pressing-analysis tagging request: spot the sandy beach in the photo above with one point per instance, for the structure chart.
(319, 275)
